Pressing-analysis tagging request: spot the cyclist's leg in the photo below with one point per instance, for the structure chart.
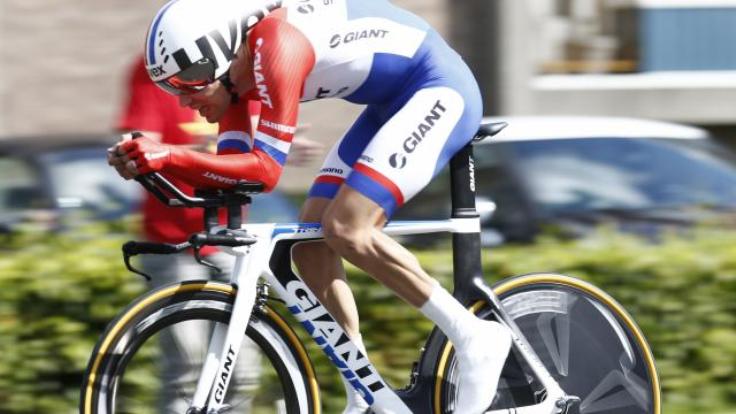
(322, 270)
(320, 267)
(438, 122)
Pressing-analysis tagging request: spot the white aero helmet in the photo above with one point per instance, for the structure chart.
(191, 43)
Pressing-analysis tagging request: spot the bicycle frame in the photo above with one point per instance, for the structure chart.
(270, 258)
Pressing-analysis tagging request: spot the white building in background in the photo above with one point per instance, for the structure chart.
(663, 59)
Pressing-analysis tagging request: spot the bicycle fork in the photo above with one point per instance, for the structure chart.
(226, 340)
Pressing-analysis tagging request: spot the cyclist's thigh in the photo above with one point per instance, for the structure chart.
(339, 163)
(416, 143)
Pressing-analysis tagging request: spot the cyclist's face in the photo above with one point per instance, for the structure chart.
(211, 102)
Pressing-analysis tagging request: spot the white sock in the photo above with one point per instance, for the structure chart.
(481, 347)
(456, 322)
(355, 402)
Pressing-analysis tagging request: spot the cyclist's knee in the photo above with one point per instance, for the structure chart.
(345, 238)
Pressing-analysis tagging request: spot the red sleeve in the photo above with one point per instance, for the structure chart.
(282, 59)
(140, 110)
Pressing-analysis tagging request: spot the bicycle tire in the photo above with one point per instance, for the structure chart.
(283, 353)
(605, 388)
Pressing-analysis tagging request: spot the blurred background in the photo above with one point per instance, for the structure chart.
(615, 168)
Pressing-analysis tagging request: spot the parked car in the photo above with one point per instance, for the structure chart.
(572, 174)
(52, 183)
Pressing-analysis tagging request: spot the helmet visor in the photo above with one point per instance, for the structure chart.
(190, 80)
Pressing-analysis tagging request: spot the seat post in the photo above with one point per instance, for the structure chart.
(234, 203)
(465, 246)
(462, 183)
(211, 218)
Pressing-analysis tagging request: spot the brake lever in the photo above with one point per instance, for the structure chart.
(134, 248)
(126, 259)
(230, 239)
(200, 260)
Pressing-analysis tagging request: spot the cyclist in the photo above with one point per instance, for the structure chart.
(423, 105)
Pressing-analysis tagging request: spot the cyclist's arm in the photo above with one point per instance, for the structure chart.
(282, 60)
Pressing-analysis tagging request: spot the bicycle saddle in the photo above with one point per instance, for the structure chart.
(489, 129)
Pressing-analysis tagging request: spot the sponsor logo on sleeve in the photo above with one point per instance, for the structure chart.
(286, 129)
(258, 73)
(219, 178)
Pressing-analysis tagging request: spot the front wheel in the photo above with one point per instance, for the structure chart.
(150, 357)
(586, 340)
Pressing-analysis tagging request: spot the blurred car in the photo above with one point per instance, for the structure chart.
(572, 174)
(53, 183)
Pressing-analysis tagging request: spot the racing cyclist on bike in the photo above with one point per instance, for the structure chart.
(422, 106)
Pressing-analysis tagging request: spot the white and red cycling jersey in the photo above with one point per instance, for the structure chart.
(422, 101)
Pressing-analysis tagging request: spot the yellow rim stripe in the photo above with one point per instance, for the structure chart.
(229, 290)
(297, 344)
(131, 314)
(560, 280)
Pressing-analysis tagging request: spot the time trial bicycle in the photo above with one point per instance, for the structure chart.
(575, 349)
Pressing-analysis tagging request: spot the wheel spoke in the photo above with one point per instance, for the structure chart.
(584, 338)
(555, 332)
(617, 390)
(159, 357)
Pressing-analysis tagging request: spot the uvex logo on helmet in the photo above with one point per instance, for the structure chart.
(398, 160)
(189, 31)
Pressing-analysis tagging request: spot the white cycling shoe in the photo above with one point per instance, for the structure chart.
(479, 365)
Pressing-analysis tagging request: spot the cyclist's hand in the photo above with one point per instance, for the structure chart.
(117, 159)
(142, 156)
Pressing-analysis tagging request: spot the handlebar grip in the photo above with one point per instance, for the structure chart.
(148, 180)
(201, 239)
(133, 248)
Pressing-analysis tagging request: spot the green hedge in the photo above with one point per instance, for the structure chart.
(57, 294)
